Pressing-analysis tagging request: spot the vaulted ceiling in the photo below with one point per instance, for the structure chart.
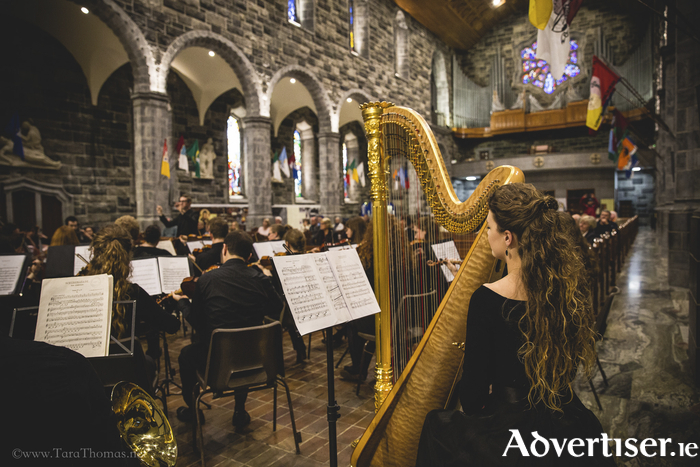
(460, 23)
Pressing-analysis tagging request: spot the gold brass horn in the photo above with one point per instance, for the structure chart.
(143, 426)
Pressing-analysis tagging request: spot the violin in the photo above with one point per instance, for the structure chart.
(187, 286)
(197, 251)
(443, 261)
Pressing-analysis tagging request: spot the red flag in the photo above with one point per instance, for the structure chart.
(180, 144)
(603, 84)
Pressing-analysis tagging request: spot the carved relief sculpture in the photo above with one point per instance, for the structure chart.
(33, 150)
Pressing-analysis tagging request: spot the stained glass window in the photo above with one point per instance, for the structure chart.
(345, 170)
(351, 10)
(292, 11)
(297, 164)
(536, 72)
(233, 137)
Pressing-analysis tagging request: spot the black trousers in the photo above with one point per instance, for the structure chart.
(192, 358)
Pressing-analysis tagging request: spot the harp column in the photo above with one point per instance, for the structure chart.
(330, 174)
(256, 150)
(152, 127)
(371, 113)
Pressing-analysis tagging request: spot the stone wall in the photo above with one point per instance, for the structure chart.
(94, 143)
(639, 190)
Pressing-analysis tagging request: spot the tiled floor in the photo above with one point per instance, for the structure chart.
(257, 444)
(643, 353)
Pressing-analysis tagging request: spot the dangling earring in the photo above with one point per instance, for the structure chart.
(506, 252)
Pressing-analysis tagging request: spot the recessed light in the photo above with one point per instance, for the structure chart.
(292, 80)
(211, 53)
(636, 169)
(349, 99)
(85, 10)
(471, 179)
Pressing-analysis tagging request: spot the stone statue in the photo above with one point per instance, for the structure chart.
(206, 160)
(33, 150)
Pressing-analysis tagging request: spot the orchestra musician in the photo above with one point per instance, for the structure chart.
(232, 296)
(278, 231)
(186, 220)
(218, 227)
(111, 254)
(324, 235)
(527, 334)
(149, 247)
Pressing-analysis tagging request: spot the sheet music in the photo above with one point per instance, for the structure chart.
(145, 272)
(309, 303)
(172, 271)
(167, 245)
(277, 246)
(263, 249)
(332, 287)
(78, 264)
(347, 246)
(195, 244)
(446, 250)
(11, 268)
(76, 312)
(354, 285)
(207, 242)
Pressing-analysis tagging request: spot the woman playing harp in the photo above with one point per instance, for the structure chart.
(527, 334)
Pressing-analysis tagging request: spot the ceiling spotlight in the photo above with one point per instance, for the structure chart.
(349, 99)
(497, 3)
(292, 80)
(471, 179)
(211, 53)
(85, 10)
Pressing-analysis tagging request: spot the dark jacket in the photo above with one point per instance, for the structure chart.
(230, 297)
(186, 223)
(210, 256)
(146, 251)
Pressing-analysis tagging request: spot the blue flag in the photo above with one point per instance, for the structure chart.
(12, 130)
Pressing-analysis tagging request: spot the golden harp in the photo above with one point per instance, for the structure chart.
(406, 392)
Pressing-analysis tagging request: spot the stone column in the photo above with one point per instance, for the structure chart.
(257, 167)
(152, 126)
(330, 174)
(309, 170)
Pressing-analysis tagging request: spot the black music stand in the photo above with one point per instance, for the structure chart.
(333, 407)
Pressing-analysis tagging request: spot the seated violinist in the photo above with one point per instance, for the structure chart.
(218, 228)
(277, 231)
(324, 235)
(149, 247)
(231, 297)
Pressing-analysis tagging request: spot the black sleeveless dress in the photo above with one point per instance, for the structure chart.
(481, 433)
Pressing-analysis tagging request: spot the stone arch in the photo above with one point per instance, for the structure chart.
(324, 107)
(236, 59)
(358, 96)
(131, 37)
(440, 89)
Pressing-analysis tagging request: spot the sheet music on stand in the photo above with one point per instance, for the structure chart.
(269, 248)
(325, 289)
(76, 312)
(446, 250)
(167, 245)
(12, 271)
(84, 251)
(194, 244)
(159, 275)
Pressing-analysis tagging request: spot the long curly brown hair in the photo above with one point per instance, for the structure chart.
(111, 254)
(558, 321)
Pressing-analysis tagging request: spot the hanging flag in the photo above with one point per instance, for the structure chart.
(628, 150)
(618, 132)
(539, 13)
(193, 151)
(603, 84)
(180, 144)
(355, 175)
(165, 164)
(405, 178)
(12, 130)
(283, 162)
(361, 173)
(629, 173)
(573, 6)
(182, 162)
(553, 45)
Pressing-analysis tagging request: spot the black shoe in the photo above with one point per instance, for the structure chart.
(351, 369)
(185, 414)
(347, 376)
(240, 419)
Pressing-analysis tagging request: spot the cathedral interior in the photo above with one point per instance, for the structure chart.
(254, 108)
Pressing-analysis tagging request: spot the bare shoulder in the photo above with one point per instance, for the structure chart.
(505, 288)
